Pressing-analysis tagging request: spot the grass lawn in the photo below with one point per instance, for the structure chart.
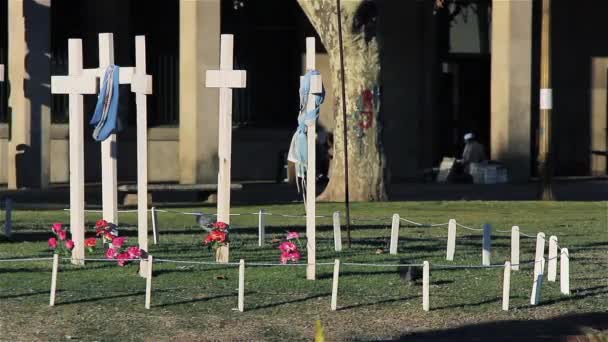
(102, 301)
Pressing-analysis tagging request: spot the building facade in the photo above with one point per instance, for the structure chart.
(444, 73)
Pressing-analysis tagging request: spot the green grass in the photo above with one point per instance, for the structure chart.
(102, 301)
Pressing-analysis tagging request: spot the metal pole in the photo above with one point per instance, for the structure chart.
(346, 191)
(546, 105)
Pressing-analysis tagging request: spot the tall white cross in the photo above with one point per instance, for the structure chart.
(76, 84)
(226, 78)
(141, 85)
(316, 87)
(109, 178)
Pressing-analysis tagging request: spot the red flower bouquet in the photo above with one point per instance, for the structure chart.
(218, 236)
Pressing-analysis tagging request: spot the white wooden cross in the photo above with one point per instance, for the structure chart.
(316, 86)
(76, 84)
(226, 78)
(141, 85)
(109, 179)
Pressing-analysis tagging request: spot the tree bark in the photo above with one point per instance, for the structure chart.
(362, 76)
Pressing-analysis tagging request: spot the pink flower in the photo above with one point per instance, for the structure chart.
(111, 253)
(57, 227)
(69, 244)
(123, 258)
(134, 252)
(117, 242)
(293, 235)
(288, 247)
(90, 242)
(287, 256)
(62, 235)
(220, 225)
(53, 243)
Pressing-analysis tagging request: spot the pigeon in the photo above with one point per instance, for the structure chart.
(205, 221)
(409, 274)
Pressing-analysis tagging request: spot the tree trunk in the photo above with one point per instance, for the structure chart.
(362, 70)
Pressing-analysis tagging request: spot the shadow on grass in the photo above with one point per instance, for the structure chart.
(385, 301)
(194, 300)
(299, 300)
(29, 294)
(97, 299)
(552, 329)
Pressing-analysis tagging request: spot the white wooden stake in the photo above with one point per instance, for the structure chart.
(394, 234)
(425, 285)
(149, 282)
(76, 84)
(8, 217)
(337, 232)
(225, 79)
(515, 248)
(506, 286)
(538, 283)
(154, 225)
(311, 175)
(487, 245)
(1, 72)
(451, 240)
(564, 272)
(540, 252)
(54, 279)
(141, 85)
(552, 262)
(241, 303)
(334, 286)
(261, 227)
(109, 183)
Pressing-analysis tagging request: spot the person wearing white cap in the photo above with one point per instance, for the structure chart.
(473, 151)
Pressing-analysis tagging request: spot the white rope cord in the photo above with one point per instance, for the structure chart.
(380, 265)
(520, 233)
(101, 211)
(25, 259)
(95, 259)
(196, 262)
(285, 265)
(469, 228)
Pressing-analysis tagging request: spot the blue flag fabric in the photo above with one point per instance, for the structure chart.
(298, 152)
(105, 117)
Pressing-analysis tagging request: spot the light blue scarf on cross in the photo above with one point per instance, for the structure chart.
(106, 111)
(298, 151)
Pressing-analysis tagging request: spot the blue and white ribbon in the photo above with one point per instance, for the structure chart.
(298, 151)
(106, 111)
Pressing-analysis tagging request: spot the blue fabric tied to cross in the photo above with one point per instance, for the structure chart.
(105, 118)
(298, 151)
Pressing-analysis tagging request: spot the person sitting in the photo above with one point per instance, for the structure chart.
(473, 152)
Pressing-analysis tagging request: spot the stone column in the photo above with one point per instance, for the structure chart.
(511, 86)
(599, 101)
(198, 117)
(29, 102)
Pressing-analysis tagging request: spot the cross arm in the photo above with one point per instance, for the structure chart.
(316, 83)
(141, 84)
(226, 79)
(125, 75)
(82, 84)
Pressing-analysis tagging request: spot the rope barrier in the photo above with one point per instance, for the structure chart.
(358, 219)
(380, 265)
(25, 259)
(196, 262)
(469, 228)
